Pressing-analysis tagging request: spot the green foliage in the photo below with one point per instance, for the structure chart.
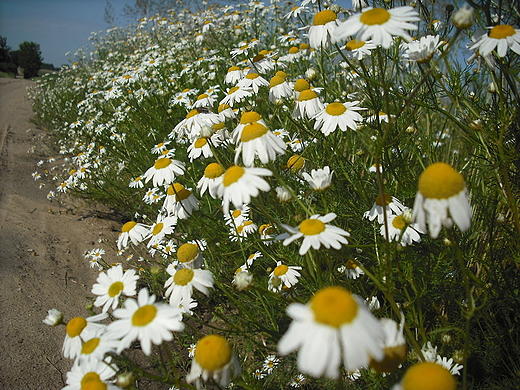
(29, 58)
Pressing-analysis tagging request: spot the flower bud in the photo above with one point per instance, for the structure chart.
(125, 380)
(54, 317)
(243, 280)
(463, 18)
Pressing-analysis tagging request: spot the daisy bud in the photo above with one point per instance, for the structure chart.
(54, 317)
(408, 216)
(125, 380)
(243, 280)
(155, 270)
(311, 73)
(463, 18)
(283, 194)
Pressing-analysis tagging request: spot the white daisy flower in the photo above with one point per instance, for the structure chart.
(164, 171)
(308, 105)
(160, 147)
(236, 95)
(340, 115)
(240, 184)
(432, 375)
(315, 232)
(111, 285)
(334, 327)
(145, 320)
(279, 88)
(270, 363)
(199, 147)
(189, 255)
(351, 270)
(396, 224)
(92, 375)
(54, 317)
(422, 50)
(163, 226)
(94, 349)
(442, 199)
(322, 30)
(385, 203)
(213, 359)
(394, 346)
(213, 173)
(501, 38)
(355, 49)
(319, 179)
(180, 202)
(80, 329)
(233, 75)
(283, 276)
(253, 81)
(379, 24)
(180, 285)
(256, 140)
(133, 231)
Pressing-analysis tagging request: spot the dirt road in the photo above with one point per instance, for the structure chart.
(41, 254)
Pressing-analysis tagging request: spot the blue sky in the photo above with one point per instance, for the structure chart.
(58, 26)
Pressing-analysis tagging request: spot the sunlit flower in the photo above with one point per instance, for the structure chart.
(319, 179)
(283, 276)
(54, 317)
(91, 375)
(379, 24)
(213, 174)
(189, 255)
(236, 95)
(428, 375)
(270, 363)
(351, 270)
(136, 182)
(463, 18)
(308, 105)
(213, 359)
(233, 75)
(180, 202)
(133, 231)
(163, 226)
(81, 329)
(164, 171)
(279, 89)
(500, 37)
(441, 200)
(182, 282)
(334, 327)
(94, 349)
(199, 147)
(422, 50)
(316, 232)
(145, 320)
(396, 224)
(338, 115)
(113, 283)
(240, 184)
(322, 29)
(385, 203)
(253, 81)
(355, 49)
(256, 140)
(160, 147)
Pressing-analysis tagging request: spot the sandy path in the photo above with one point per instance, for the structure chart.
(41, 255)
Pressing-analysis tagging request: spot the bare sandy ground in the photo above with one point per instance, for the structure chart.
(41, 254)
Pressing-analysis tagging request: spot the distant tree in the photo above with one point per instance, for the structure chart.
(29, 57)
(7, 64)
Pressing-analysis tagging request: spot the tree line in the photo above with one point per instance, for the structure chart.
(28, 58)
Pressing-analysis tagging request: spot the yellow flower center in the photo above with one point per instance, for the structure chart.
(350, 265)
(218, 126)
(354, 44)
(276, 80)
(265, 229)
(394, 357)
(334, 306)
(308, 94)
(187, 252)
(183, 276)
(301, 85)
(311, 227)
(304, 46)
(144, 315)
(200, 143)
(90, 346)
(398, 222)
(92, 381)
(281, 73)
(324, 17)
(295, 163)
(335, 109)
(258, 58)
(162, 163)
(223, 107)
(233, 68)
(202, 96)
(233, 90)
(115, 289)
(213, 171)
(294, 50)
(501, 31)
(76, 326)
(160, 145)
(213, 352)
(253, 131)
(178, 191)
(128, 226)
(157, 228)
(192, 113)
(249, 117)
(233, 174)
(383, 201)
(236, 213)
(252, 76)
(428, 376)
(375, 16)
(280, 270)
(440, 181)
